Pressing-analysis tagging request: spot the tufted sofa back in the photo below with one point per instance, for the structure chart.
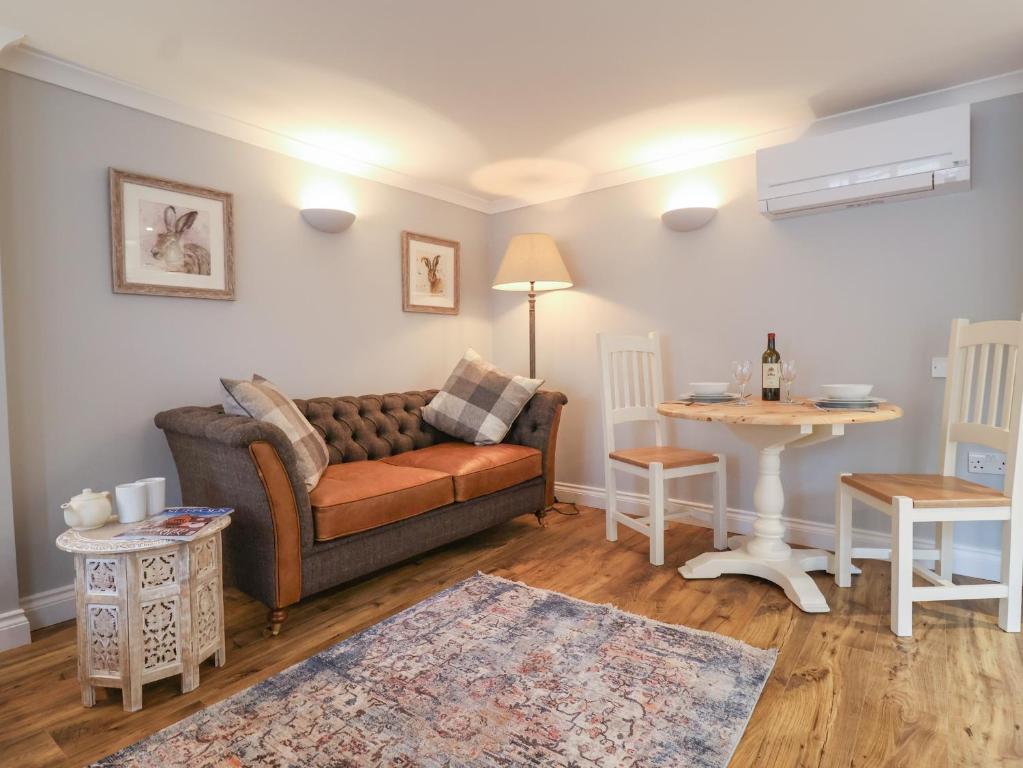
(371, 426)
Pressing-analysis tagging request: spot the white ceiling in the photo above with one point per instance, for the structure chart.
(505, 99)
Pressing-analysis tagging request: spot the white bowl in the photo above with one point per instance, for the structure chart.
(847, 391)
(708, 387)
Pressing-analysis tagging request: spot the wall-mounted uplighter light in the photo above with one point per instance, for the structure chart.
(331, 220)
(688, 219)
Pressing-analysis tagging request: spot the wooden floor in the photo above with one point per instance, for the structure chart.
(845, 691)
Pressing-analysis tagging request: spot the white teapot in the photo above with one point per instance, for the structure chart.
(89, 509)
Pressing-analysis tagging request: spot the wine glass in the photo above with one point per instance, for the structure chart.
(741, 373)
(788, 375)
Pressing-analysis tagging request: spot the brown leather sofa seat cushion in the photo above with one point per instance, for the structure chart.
(477, 469)
(360, 495)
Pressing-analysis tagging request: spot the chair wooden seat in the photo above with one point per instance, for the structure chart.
(927, 491)
(666, 455)
(631, 389)
(982, 406)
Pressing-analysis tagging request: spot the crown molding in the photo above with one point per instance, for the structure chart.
(966, 93)
(22, 59)
(31, 62)
(10, 38)
(708, 156)
(985, 89)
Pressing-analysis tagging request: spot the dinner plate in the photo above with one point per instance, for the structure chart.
(849, 405)
(852, 400)
(723, 398)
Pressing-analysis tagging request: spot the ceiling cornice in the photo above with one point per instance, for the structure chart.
(31, 62)
(23, 59)
(966, 93)
(10, 37)
(674, 164)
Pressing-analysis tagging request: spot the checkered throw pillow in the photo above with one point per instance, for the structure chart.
(479, 403)
(262, 400)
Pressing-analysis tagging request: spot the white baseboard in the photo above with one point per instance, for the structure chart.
(14, 629)
(53, 606)
(969, 561)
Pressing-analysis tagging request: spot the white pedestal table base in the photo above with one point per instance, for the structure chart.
(765, 554)
(790, 573)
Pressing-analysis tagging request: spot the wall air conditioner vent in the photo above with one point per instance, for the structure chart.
(915, 156)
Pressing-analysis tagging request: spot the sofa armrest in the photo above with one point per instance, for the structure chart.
(240, 462)
(537, 427)
(211, 423)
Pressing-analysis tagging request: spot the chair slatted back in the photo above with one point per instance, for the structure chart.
(632, 384)
(984, 391)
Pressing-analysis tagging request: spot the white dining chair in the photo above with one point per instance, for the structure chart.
(631, 389)
(982, 405)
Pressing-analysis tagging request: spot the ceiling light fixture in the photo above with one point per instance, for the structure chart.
(688, 219)
(332, 220)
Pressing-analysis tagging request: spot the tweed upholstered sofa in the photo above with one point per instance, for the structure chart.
(395, 487)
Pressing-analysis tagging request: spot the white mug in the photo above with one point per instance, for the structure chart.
(131, 502)
(156, 494)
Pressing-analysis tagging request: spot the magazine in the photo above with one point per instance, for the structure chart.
(175, 523)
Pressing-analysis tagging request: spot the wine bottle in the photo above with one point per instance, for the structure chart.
(771, 369)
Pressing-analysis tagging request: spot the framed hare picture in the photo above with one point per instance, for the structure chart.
(429, 274)
(169, 238)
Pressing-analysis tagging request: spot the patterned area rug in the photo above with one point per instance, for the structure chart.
(486, 673)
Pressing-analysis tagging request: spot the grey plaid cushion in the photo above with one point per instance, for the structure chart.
(478, 402)
(262, 400)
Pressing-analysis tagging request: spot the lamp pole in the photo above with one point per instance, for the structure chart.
(532, 331)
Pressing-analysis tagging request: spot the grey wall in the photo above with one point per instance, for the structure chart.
(8, 555)
(87, 369)
(859, 295)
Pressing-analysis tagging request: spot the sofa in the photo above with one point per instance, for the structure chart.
(395, 487)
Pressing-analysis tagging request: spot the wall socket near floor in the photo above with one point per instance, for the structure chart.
(939, 367)
(986, 463)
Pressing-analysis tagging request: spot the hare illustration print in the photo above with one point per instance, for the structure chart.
(172, 252)
(429, 274)
(436, 282)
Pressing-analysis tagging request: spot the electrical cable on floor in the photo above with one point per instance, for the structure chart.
(573, 513)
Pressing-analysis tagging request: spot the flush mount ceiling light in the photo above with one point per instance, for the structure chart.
(687, 219)
(331, 220)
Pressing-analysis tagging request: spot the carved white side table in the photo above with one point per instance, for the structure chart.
(146, 609)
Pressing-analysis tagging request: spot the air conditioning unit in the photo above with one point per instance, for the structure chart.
(924, 154)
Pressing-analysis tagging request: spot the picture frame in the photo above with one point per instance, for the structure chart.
(168, 238)
(430, 274)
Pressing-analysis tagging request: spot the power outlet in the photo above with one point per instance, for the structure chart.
(939, 367)
(986, 463)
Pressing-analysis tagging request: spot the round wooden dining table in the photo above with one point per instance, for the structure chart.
(772, 427)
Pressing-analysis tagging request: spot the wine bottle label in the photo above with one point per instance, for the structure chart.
(772, 375)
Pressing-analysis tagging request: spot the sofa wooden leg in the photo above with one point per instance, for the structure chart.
(275, 617)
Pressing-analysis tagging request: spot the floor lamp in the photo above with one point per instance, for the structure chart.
(532, 263)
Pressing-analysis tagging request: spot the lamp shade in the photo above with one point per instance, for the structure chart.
(532, 259)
